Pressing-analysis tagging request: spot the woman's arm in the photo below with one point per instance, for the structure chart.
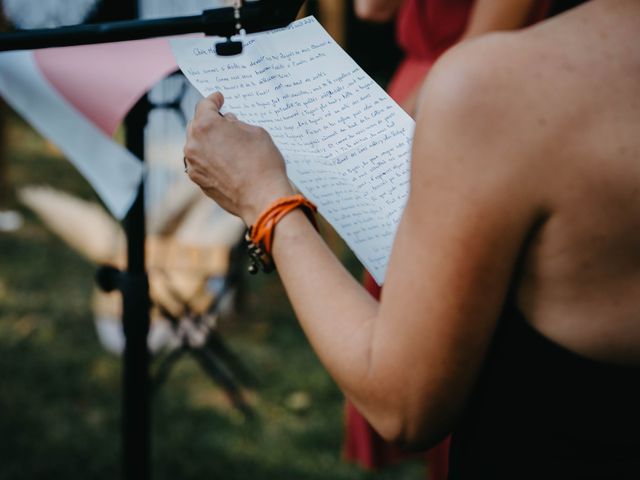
(376, 10)
(409, 362)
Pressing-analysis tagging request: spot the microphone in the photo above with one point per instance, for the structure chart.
(256, 16)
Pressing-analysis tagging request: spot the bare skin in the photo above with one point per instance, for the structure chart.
(486, 16)
(525, 179)
(376, 10)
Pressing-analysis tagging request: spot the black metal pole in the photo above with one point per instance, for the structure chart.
(114, 31)
(136, 429)
(256, 16)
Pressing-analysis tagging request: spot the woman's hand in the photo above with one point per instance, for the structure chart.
(234, 163)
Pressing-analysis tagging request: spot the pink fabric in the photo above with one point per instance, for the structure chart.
(426, 28)
(408, 77)
(105, 81)
(364, 446)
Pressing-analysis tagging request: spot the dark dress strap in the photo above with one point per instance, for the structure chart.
(541, 411)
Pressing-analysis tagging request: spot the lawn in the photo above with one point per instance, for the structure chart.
(60, 391)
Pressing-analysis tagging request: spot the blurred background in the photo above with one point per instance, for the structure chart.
(60, 373)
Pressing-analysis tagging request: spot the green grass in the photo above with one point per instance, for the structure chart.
(60, 392)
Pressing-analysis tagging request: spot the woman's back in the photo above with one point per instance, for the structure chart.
(580, 280)
(557, 395)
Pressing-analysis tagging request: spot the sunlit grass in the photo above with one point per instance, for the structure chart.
(60, 392)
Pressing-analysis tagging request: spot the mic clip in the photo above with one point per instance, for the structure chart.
(232, 47)
(229, 48)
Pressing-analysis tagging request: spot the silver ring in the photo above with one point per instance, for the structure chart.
(186, 167)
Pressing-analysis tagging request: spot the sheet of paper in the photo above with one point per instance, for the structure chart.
(346, 143)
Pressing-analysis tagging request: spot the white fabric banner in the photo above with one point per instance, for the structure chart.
(111, 169)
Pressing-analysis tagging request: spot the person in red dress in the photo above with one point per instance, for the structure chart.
(425, 29)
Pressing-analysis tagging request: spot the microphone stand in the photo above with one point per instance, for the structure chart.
(256, 16)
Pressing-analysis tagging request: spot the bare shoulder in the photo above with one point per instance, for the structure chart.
(540, 86)
(485, 116)
(523, 102)
(501, 84)
(548, 119)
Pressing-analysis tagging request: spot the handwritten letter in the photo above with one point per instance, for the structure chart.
(346, 144)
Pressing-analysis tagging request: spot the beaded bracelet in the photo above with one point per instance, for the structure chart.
(259, 236)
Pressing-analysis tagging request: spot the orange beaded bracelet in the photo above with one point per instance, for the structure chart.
(259, 236)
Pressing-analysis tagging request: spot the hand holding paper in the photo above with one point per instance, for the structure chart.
(346, 144)
(234, 163)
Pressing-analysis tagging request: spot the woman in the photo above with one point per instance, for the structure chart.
(510, 310)
(425, 30)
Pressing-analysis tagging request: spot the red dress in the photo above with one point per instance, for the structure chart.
(424, 30)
